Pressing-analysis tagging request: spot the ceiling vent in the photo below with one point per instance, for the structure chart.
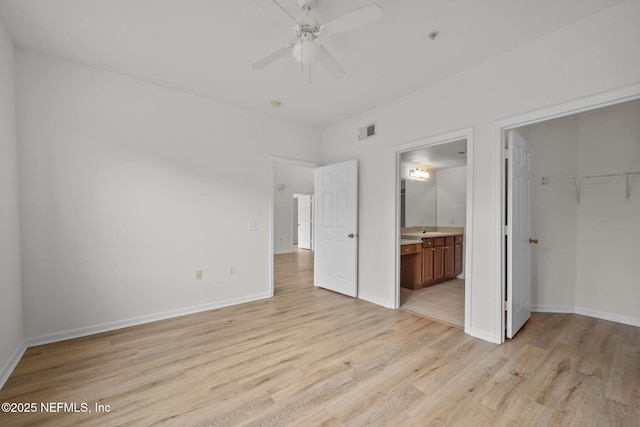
(366, 131)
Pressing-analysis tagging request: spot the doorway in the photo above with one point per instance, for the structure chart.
(335, 236)
(438, 204)
(290, 179)
(584, 187)
(303, 221)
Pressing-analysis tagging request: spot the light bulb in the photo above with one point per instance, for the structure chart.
(306, 52)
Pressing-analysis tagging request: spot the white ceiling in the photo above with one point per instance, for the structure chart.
(438, 156)
(206, 47)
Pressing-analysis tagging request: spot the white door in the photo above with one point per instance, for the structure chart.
(518, 233)
(304, 221)
(336, 227)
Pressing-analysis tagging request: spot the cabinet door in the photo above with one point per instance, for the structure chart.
(438, 262)
(457, 255)
(449, 264)
(427, 265)
(411, 266)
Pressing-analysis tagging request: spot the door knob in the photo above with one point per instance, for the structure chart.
(351, 235)
(535, 241)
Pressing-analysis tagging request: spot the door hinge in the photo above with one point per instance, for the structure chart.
(507, 230)
(506, 306)
(506, 153)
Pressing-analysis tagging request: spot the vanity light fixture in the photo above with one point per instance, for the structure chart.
(419, 173)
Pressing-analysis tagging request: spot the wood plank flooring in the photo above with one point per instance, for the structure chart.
(310, 357)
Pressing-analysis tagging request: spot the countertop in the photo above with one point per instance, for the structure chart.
(428, 234)
(409, 242)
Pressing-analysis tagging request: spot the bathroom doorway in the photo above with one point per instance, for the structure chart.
(434, 194)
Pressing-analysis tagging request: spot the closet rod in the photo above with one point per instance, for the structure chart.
(577, 180)
(602, 175)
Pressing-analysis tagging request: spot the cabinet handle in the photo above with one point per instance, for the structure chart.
(351, 235)
(534, 241)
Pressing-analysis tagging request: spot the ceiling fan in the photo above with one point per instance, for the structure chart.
(305, 50)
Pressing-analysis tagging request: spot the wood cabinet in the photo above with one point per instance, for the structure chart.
(436, 260)
(458, 257)
(427, 261)
(411, 266)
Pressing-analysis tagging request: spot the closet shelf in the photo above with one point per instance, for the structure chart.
(579, 180)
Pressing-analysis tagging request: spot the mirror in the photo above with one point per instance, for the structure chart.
(432, 201)
(419, 207)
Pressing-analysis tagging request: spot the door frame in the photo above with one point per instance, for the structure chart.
(593, 102)
(274, 160)
(311, 222)
(467, 134)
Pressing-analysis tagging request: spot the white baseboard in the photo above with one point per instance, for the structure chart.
(8, 368)
(608, 316)
(105, 327)
(376, 301)
(477, 333)
(613, 317)
(553, 308)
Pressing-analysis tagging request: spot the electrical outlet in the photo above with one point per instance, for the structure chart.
(252, 226)
(232, 270)
(198, 274)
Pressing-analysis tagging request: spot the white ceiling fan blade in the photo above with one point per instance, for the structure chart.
(330, 63)
(272, 7)
(355, 19)
(270, 59)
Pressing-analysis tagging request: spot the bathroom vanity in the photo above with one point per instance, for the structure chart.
(428, 258)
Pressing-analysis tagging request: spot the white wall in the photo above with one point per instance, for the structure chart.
(554, 154)
(128, 188)
(571, 271)
(452, 197)
(294, 179)
(608, 232)
(591, 56)
(11, 320)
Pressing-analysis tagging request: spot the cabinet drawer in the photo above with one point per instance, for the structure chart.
(458, 239)
(438, 241)
(449, 240)
(410, 249)
(427, 243)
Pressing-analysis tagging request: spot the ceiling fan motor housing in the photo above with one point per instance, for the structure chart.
(308, 29)
(306, 50)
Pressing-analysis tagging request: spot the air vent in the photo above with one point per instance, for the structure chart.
(366, 131)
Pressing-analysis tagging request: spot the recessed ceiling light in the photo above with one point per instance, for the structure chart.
(276, 104)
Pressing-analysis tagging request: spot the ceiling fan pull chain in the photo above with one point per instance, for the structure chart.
(309, 74)
(302, 54)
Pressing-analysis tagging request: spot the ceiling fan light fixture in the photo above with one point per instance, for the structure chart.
(306, 52)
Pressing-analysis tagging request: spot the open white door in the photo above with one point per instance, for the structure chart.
(304, 221)
(336, 227)
(518, 233)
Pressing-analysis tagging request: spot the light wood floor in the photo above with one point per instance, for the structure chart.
(444, 301)
(311, 357)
